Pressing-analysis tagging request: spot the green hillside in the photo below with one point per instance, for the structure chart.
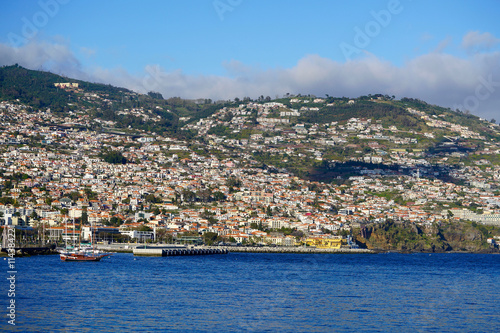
(373, 125)
(37, 89)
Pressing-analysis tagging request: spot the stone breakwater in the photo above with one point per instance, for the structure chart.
(177, 251)
(269, 249)
(170, 250)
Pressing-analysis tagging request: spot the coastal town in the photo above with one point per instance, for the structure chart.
(60, 171)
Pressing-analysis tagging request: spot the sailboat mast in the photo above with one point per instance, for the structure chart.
(92, 235)
(80, 238)
(66, 235)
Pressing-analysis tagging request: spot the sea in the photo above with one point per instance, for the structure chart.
(253, 292)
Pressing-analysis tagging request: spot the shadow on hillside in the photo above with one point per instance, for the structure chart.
(331, 171)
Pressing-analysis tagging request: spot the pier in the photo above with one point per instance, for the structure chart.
(30, 251)
(179, 250)
(293, 249)
(168, 251)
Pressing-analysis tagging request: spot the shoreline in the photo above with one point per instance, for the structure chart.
(301, 250)
(240, 249)
(128, 248)
(291, 251)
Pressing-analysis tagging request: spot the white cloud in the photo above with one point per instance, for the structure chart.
(443, 44)
(426, 37)
(57, 58)
(472, 83)
(87, 52)
(475, 41)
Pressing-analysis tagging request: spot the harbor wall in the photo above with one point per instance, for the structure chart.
(166, 250)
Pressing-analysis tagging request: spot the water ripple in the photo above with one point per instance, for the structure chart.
(258, 293)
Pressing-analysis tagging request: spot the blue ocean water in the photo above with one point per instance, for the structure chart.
(257, 293)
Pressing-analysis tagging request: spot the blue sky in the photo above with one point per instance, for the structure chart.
(440, 51)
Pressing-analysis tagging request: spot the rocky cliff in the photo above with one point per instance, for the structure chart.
(409, 237)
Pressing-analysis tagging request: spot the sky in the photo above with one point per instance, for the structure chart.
(443, 52)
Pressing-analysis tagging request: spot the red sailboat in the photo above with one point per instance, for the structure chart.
(84, 254)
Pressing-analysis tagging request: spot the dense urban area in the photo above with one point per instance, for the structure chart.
(295, 170)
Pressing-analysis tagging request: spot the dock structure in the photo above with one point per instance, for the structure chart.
(177, 251)
(30, 251)
(184, 250)
(295, 249)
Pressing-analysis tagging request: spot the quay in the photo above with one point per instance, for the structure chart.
(172, 250)
(162, 250)
(166, 251)
(29, 251)
(293, 249)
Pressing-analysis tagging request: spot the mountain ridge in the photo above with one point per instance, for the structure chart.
(341, 127)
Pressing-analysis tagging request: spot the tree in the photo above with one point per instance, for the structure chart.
(204, 195)
(228, 117)
(163, 236)
(298, 234)
(85, 218)
(152, 198)
(144, 228)
(268, 211)
(233, 182)
(91, 195)
(188, 195)
(209, 238)
(115, 221)
(114, 157)
(493, 121)
(7, 201)
(74, 195)
(209, 217)
(156, 95)
(219, 196)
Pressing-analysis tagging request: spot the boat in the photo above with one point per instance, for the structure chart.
(83, 253)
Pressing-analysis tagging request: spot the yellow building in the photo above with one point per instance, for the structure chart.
(326, 243)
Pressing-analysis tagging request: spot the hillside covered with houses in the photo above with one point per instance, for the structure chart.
(266, 171)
